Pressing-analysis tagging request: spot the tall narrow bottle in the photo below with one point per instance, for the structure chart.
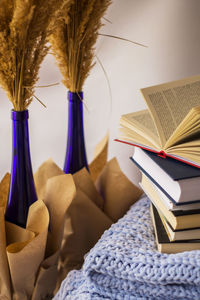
(75, 158)
(22, 189)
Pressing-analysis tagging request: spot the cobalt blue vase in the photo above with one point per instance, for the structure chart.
(22, 189)
(75, 158)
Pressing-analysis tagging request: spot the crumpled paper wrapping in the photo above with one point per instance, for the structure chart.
(29, 256)
(62, 226)
(117, 191)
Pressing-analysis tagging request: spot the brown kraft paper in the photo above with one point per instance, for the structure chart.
(25, 256)
(100, 158)
(62, 227)
(118, 192)
(84, 220)
(57, 199)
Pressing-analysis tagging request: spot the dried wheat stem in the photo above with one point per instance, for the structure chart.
(25, 26)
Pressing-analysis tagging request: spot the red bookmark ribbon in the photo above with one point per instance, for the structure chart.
(162, 154)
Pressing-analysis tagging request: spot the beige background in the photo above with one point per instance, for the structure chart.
(171, 31)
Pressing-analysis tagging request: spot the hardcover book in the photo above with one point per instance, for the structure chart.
(171, 124)
(178, 181)
(179, 207)
(177, 219)
(179, 235)
(162, 240)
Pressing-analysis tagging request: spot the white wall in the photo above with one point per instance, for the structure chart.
(171, 31)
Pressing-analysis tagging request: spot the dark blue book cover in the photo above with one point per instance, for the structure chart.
(176, 169)
(173, 173)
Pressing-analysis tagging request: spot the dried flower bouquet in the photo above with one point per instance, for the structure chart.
(73, 43)
(24, 29)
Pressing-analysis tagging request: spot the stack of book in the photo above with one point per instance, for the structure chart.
(167, 137)
(174, 190)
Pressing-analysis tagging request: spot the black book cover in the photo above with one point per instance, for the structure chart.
(176, 169)
(161, 232)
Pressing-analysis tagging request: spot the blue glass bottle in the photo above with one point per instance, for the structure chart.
(22, 189)
(75, 158)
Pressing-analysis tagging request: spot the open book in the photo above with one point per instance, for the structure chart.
(171, 124)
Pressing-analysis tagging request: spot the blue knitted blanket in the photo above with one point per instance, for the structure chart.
(125, 265)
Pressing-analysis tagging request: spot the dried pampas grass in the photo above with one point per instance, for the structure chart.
(24, 28)
(74, 39)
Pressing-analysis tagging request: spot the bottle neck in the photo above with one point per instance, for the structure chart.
(75, 96)
(20, 134)
(75, 112)
(19, 115)
(75, 155)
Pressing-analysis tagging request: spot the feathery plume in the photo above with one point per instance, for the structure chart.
(24, 29)
(73, 40)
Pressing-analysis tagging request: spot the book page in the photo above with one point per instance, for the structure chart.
(136, 139)
(188, 151)
(187, 130)
(169, 103)
(143, 117)
(142, 123)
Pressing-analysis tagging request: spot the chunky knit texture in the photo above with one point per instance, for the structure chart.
(125, 265)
